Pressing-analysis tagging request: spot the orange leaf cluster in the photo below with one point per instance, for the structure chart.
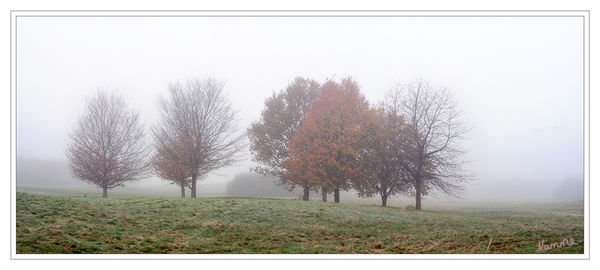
(325, 150)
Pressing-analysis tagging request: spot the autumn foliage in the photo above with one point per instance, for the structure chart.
(272, 133)
(328, 138)
(169, 165)
(383, 155)
(326, 149)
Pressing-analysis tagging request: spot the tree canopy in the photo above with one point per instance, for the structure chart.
(325, 151)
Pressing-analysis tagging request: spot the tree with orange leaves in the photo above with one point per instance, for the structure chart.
(168, 165)
(326, 149)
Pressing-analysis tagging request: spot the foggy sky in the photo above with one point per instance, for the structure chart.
(519, 81)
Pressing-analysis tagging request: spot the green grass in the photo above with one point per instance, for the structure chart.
(47, 224)
(132, 190)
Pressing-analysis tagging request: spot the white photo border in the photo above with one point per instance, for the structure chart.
(584, 14)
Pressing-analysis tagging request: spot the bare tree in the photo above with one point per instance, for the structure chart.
(107, 146)
(279, 121)
(198, 123)
(434, 157)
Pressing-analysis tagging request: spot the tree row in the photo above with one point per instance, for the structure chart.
(314, 136)
(328, 137)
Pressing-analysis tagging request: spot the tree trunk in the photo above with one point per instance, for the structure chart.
(336, 195)
(384, 195)
(104, 192)
(182, 190)
(194, 177)
(305, 196)
(418, 196)
(324, 194)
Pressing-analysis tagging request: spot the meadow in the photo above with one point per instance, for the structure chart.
(152, 225)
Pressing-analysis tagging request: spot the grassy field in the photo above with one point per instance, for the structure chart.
(48, 224)
(132, 190)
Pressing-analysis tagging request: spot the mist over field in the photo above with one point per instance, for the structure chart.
(53, 177)
(517, 81)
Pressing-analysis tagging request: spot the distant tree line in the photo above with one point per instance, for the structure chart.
(327, 137)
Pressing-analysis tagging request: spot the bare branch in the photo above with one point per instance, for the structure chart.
(433, 148)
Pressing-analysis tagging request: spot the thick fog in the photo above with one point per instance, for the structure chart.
(518, 81)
